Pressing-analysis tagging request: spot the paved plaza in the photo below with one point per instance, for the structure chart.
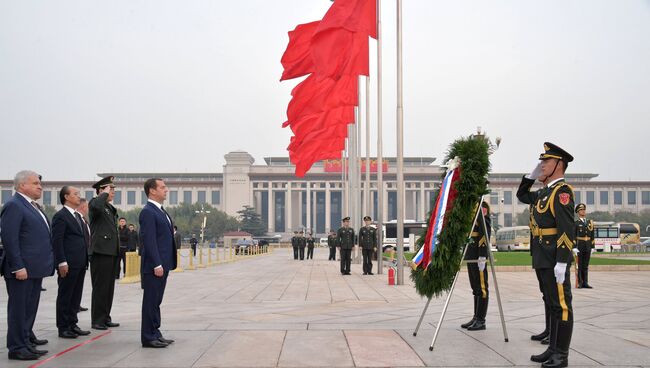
(272, 311)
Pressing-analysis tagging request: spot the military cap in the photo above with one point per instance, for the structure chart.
(295, 232)
(553, 151)
(367, 218)
(104, 182)
(580, 206)
(346, 219)
(302, 232)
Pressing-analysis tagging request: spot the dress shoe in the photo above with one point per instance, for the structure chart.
(36, 341)
(546, 340)
(556, 361)
(540, 336)
(478, 325)
(43, 289)
(365, 273)
(370, 273)
(154, 344)
(36, 351)
(112, 324)
(19, 355)
(165, 341)
(587, 286)
(68, 334)
(82, 309)
(99, 327)
(579, 287)
(79, 331)
(541, 358)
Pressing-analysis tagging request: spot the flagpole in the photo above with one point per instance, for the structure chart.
(380, 154)
(366, 189)
(400, 152)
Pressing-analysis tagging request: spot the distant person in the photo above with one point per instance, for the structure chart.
(83, 210)
(70, 239)
(123, 232)
(177, 237)
(331, 243)
(310, 246)
(584, 245)
(193, 243)
(477, 251)
(28, 258)
(368, 244)
(158, 258)
(301, 244)
(133, 243)
(294, 245)
(345, 240)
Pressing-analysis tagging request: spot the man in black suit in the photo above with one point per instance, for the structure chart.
(123, 234)
(70, 238)
(26, 237)
(83, 210)
(104, 252)
(158, 258)
(177, 237)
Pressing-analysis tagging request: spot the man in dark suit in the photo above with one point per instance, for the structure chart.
(26, 237)
(104, 252)
(177, 237)
(83, 210)
(123, 234)
(158, 258)
(70, 238)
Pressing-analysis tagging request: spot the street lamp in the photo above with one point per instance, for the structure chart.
(205, 218)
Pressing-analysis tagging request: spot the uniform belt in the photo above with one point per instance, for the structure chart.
(475, 233)
(544, 232)
(584, 238)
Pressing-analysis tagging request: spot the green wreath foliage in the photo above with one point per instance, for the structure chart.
(471, 185)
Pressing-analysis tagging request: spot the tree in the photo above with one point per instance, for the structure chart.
(251, 221)
(523, 218)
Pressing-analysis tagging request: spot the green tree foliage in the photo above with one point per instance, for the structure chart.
(251, 221)
(523, 218)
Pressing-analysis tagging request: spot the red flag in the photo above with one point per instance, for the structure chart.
(338, 51)
(353, 15)
(296, 59)
(303, 128)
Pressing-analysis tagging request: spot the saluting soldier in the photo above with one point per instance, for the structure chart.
(331, 243)
(553, 229)
(477, 250)
(368, 244)
(345, 240)
(585, 242)
(310, 246)
(294, 244)
(302, 242)
(543, 336)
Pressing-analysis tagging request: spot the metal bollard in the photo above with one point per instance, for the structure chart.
(179, 267)
(200, 265)
(132, 268)
(210, 263)
(191, 266)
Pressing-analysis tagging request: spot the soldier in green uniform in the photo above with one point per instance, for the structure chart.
(585, 243)
(477, 250)
(345, 240)
(543, 336)
(302, 242)
(331, 243)
(294, 244)
(553, 229)
(368, 244)
(310, 246)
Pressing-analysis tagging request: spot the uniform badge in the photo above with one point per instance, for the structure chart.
(565, 198)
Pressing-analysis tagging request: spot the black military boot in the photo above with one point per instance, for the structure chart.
(546, 355)
(547, 317)
(471, 322)
(480, 316)
(560, 357)
(586, 281)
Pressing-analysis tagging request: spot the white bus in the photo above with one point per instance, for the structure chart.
(416, 228)
(513, 238)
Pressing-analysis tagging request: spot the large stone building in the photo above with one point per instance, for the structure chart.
(319, 200)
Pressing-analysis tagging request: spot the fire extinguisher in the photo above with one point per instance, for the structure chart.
(391, 275)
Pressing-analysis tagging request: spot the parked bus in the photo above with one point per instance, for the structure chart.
(630, 233)
(416, 228)
(606, 236)
(513, 238)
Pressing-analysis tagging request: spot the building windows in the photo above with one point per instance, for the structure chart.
(173, 197)
(645, 197)
(216, 198)
(590, 197)
(143, 198)
(494, 198)
(392, 205)
(618, 197)
(578, 196)
(201, 196)
(279, 211)
(187, 196)
(118, 197)
(631, 198)
(130, 197)
(507, 219)
(6, 195)
(507, 199)
(47, 198)
(89, 195)
(604, 197)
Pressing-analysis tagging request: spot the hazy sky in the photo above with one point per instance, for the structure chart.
(171, 86)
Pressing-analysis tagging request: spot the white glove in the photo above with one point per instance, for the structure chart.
(576, 251)
(593, 250)
(481, 264)
(559, 270)
(536, 172)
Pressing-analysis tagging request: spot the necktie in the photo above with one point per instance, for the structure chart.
(40, 212)
(166, 214)
(38, 208)
(84, 229)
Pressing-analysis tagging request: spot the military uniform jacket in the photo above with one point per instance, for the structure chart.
(294, 242)
(345, 238)
(331, 241)
(310, 242)
(368, 237)
(478, 246)
(103, 226)
(302, 242)
(552, 224)
(584, 234)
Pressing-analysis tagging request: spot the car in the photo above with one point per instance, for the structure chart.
(645, 245)
(323, 242)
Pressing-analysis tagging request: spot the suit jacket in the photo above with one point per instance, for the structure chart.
(68, 240)
(103, 226)
(26, 239)
(157, 236)
(177, 240)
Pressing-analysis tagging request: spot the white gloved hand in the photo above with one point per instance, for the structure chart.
(576, 251)
(593, 250)
(536, 172)
(559, 270)
(481, 264)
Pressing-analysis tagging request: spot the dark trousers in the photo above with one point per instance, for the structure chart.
(302, 253)
(103, 270)
(22, 305)
(122, 261)
(310, 252)
(346, 258)
(193, 246)
(69, 297)
(154, 289)
(332, 256)
(295, 252)
(584, 255)
(547, 307)
(367, 260)
(478, 281)
(559, 299)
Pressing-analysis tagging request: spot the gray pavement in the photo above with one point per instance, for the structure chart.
(272, 311)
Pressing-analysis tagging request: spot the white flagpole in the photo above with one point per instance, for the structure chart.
(380, 154)
(400, 152)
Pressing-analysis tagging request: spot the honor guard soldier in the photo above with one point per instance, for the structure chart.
(294, 244)
(368, 244)
(301, 244)
(331, 243)
(345, 240)
(310, 246)
(477, 250)
(553, 230)
(543, 336)
(585, 243)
